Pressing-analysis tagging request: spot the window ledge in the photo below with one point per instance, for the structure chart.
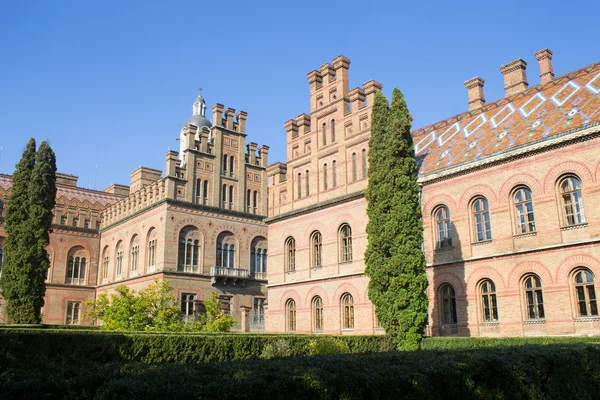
(442, 249)
(449, 326)
(347, 329)
(586, 319)
(316, 267)
(489, 324)
(481, 243)
(290, 272)
(343, 262)
(318, 331)
(576, 226)
(534, 321)
(524, 235)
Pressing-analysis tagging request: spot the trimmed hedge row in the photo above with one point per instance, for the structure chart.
(72, 347)
(526, 372)
(455, 343)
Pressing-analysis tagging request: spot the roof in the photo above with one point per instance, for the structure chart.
(66, 195)
(539, 113)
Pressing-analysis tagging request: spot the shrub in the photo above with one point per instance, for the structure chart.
(278, 348)
(327, 345)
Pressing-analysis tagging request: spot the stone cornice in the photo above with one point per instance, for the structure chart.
(315, 207)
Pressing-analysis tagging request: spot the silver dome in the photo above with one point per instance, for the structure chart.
(199, 121)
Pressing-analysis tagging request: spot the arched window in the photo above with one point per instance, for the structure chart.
(258, 258)
(317, 314)
(307, 184)
(353, 167)
(290, 316)
(585, 291)
(345, 240)
(324, 134)
(105, 260)
(248, 200)
(133, 256)
(524, 219)
(255, 202)
(189, 249)
(489, 305)
(443, 230)
(225, 164)
(317, 246)
(151, 250)
(324, 176)
(299, 185)
(224, 196)
(225, 250)
(231, 166)
(448, 306)
(347, 311)
(290, 254)
(76, 267)
(364, 163)
(205, 194)
(572, 201)
(231, 197)
(198, 188)
(334, 173)
(532, 287)
(482, 229)
(333, 130)
(119, 259)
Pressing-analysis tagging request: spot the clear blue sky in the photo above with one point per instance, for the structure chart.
(111, 82)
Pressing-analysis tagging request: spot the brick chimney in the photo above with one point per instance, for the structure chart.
(544, 57)
(515, 78)
(475, 91)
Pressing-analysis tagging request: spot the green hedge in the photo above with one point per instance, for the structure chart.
(527, 372)
(71, 347)
(455, 343)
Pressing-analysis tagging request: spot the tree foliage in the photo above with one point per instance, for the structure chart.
(27, 225)
(394, 259)
(153, 309)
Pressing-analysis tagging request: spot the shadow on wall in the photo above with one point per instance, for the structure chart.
(449, 316)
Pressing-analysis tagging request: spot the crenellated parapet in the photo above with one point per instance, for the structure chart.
(136, 201)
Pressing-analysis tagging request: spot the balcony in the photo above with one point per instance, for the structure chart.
(259, 276)
(229, 275)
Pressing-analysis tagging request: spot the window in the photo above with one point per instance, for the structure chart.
(86, 223)
(119, 260)
(448, 299)
(73, 312)
(248, 199)
(225, 164)
(317, 245)
(586, 293)
(290, 254)
(572, 201)
(489, 305)
(75, 221)
(481, 220)
(225, 250)
(224, 196)
(76, 270)
(353, 167)
(151, 250)
(524, 220)
(299, 185)
(189, 250)
(345, 235)
(442, 227)
(198, 192)
(532, 285)
(205, 194)
(231, 197)
(231, 166)
(290, 316)
(258, 257)
(317, 314)
(333, 130)
(324, 176)
(324, 134)
(364, 163)
(255, 201)
(134, 256)
(63, 219)
(347, 311)
(307, 184)
(187, 305)
(334, 173)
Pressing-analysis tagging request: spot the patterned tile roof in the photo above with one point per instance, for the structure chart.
(68, 195)
(541, 112)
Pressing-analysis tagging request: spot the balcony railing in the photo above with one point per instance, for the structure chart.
(261, 276)
(227, 275)
(75, 281)
(193, 269)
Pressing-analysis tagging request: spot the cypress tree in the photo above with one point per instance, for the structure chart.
(394, 259)
(42, 196)
(18, 244)
(27, 225)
